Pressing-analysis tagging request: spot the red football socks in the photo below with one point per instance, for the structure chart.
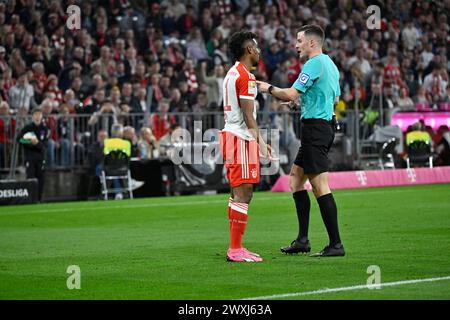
(237, 214)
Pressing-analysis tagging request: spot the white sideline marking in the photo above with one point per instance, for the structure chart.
(184, 203)
(364, 286)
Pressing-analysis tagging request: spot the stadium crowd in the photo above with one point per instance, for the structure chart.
(158, 58)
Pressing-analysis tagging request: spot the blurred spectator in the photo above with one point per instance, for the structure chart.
(115, 97)
(21, 95)
(7, 132)
(214, 82)
(155, 91)
(187, 21)
(280, 76)
(3, 64)
(127, 93)
(443, 146)
(51, 89)
(16, 63)
(435, 84)
(107, 65)
(392, 75)
(161, 121)
(422, 96)
(168, 139)
(410, 35)
(404, 102)
(40, 79)
(200, 106)
(33, 137)
(214, 42)
(220, 56)
(195, 45)
(418, 133)
(359, 62)
(139, 104)
(165, 86)
(124, 117)
(95, 153)
(357, 95)
(50, 122)
(106, 116)
(175, 7)
(129, 133)
(64, 135)
(188, 74)
(148, 146)
(412, 84)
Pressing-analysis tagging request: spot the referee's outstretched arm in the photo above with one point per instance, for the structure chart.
(287, 94)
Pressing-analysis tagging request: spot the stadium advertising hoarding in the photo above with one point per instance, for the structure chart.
(18, 192)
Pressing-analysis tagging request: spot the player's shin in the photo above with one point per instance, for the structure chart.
(238, 223)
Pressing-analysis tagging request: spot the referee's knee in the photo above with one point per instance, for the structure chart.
(295, 185)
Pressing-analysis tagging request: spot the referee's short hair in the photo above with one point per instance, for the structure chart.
(236, 44)
(313, 30)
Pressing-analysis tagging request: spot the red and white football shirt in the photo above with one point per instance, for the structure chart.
(239, 147)
(239, 83)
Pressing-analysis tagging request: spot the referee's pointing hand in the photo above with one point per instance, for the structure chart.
(263, 86)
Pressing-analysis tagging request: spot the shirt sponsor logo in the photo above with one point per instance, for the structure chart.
(252, 87)
(303, 79)
(13, 193)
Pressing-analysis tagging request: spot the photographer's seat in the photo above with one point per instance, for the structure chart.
(419, 153)
(116, 166)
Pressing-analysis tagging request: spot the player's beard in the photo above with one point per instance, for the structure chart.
(254, 64)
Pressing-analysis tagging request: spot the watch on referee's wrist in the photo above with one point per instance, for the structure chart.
(270, 89)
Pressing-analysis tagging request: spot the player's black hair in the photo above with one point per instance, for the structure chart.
(236, 44)
(313, 30)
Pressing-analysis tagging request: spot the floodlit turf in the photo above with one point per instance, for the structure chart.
(174, 248)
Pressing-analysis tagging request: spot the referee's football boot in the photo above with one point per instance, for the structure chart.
(331, 251)
(297, 246)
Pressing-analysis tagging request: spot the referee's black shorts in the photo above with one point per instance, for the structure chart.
(317, 137)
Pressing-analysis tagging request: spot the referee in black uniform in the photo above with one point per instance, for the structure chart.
(317, 87)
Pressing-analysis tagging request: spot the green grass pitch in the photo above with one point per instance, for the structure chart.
(174, 248)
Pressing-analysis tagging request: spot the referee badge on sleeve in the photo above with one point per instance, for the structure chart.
(303, 78)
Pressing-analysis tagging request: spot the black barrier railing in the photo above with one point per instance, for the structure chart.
(70, 136)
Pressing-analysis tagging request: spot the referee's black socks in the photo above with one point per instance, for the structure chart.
(303, 206)
(328, 210)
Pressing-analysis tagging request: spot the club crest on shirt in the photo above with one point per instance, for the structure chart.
(252, 87)
(303, 79)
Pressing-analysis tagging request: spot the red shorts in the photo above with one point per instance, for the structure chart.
(241, 158)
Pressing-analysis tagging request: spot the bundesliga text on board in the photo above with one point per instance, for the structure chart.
(13, 193)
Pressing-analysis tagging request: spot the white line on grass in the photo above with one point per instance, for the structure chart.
(186, 203)
(364, 286)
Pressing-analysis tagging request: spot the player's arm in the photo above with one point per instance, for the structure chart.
(286, 94)
(252, 125)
